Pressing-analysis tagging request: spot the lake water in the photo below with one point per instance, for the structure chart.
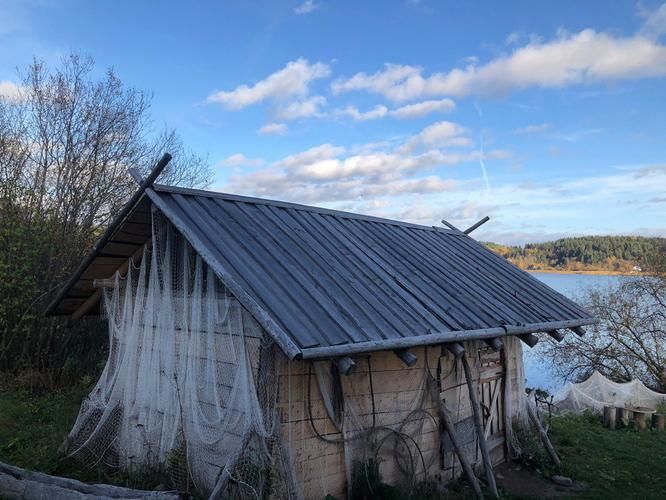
(574, 286)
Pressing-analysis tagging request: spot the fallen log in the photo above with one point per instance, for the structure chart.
(17, 483)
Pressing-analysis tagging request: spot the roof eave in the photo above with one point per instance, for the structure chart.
(441, 338)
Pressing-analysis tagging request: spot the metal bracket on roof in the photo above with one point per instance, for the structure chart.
(578, 330)
(346, 365)
(456, 349)
(496, 343)
(120, 218)
(555, 334)
(406, 356)
(529, 338)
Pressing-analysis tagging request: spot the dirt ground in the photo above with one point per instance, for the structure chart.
(523, 482)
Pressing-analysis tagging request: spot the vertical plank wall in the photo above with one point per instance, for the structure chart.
(320, 466)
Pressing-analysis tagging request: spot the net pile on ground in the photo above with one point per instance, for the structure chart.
(598, 391)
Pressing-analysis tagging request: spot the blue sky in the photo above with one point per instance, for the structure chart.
(548, 117)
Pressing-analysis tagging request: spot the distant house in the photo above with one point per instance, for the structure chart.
(263, 347)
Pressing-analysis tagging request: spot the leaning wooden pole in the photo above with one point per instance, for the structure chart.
(542, 434)
(448, 426)
(478, 424)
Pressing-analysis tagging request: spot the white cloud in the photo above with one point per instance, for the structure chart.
(420, 109)
(440, 135)
(240, 160)
(571, 59)
(377, 173)
(532, 129)
(655, 22)
(416, 110)
(304, 108)
(375, 113)
(307, 7)
(292, 81)
(10, 91)
(513, 38)
(312, 155)
(273, 129)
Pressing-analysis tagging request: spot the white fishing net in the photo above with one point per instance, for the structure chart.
(193, 390)
(598, 391)
(190, 386)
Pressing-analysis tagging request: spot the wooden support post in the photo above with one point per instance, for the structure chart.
(578, 330)
(556, 334)
(406, 356)
(530, 339)
(542, 434)
(609, 417)
(658, 421)
(457, 349)
(478, 424)
(496, 343)
(346, 365)
(433, 388)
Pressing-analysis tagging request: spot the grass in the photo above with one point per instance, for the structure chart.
(615, 464)
(619, 463)
(33, 426)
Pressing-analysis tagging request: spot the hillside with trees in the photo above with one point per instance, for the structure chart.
(614, 254)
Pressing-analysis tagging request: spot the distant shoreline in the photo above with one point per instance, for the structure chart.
(601, 273)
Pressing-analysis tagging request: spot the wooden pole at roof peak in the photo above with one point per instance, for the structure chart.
(477, 225)
(108, 234)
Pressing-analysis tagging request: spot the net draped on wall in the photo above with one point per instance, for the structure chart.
(191, 390)
(190, 385)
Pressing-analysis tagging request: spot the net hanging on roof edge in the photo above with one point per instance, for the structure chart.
(190, 384)
(191, 388)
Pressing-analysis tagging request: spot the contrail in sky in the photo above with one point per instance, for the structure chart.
(483, 165)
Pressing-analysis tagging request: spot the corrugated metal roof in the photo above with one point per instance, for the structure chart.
(319, 278)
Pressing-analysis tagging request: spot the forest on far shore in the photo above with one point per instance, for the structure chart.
(613, 254)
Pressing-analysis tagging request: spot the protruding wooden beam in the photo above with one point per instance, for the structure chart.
(95, 297)
(578, 330)
(529, 338)
(110, 231)
(496, 343)
(556, 334)
(406, 356)
(477, 225)
(457, 349)
(451, 226)
(346, 365)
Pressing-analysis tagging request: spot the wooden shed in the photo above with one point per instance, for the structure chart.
(260, 347)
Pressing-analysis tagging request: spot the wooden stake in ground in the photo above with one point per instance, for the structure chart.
(478, 424)
(542, 434)
(609, 417)
(448, 426)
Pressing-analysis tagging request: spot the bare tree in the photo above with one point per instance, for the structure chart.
(630, 341)
(66, 143)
